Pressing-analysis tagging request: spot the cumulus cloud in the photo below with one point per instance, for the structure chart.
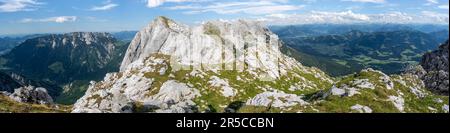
(367, 1)
(317, 17)
(58, 19)
(247, 7)
(351, 17)
(18, 5)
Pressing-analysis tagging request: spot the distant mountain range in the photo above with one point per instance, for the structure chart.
(390, 49)
(308, 30)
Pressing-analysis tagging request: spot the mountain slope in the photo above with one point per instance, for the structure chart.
(8, 43)
(436, 67)
(63, 59)
(21, 95)
(10, 81)
(7, 105)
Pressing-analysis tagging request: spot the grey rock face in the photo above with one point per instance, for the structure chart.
(165, 47)
(436, 65)
(31, 94)
(174, 97)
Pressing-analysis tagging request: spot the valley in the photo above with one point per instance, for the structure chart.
(389, 49)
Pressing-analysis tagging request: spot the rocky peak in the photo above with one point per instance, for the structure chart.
(170, 67)
(208, 45)
(436, 66)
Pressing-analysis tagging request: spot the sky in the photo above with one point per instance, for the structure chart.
(58, 16)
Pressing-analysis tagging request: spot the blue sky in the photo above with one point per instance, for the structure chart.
(56, 16)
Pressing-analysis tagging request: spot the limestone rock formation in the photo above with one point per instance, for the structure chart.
(31, 94)
(436, 65)
(170, 67)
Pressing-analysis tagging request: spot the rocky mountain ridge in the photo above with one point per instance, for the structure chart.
(172, 68)
(436, 67)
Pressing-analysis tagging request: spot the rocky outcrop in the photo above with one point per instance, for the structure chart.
(23, 90)
(31, 94)
(436, 66)
(361, 109)
(10, 81)
(276, 99)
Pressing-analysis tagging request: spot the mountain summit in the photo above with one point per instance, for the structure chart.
(170, 67)
(213, 45)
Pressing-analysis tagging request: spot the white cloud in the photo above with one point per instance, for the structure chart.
(247, 7)
(59, 19)
(436, 17)
(351, 17)
(107, 5)
(443, 6)
(367, 1)
(18, 5)
(104, 7)
(317, 17)
(156, 3)
(432, 1)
